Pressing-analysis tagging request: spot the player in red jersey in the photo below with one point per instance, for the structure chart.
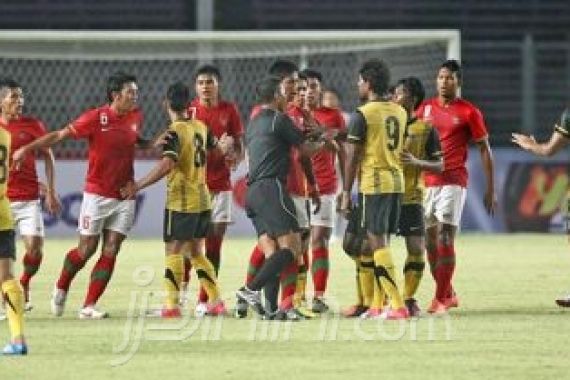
(559, 139)
(113, 132)
(322, 222)
(23, 185)
(221, 117)
(458, 122)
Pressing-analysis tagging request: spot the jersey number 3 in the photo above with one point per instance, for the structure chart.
(392, 132)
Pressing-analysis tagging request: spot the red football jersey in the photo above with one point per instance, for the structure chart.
(296, 180)
(457, 123)
(324, 160)
(112, 139)
(23, 183)
(223, 118)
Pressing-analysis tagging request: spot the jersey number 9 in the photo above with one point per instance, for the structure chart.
(392, 132)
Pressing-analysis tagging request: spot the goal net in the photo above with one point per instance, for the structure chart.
(64, 72)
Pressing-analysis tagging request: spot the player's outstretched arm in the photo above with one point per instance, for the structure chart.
(408, 158)
(159, 171)
(490, 199)
(52, 202)
(554, 145)
(45, 141)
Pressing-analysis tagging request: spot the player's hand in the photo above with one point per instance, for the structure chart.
(17, 158)
(162, 139)
(129, 191)
(408, 158)
(490, 202)
(52, 202)
(344, 207)
(315, 200)
(226, 144)
(524, 141)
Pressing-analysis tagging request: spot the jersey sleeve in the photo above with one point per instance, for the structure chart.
(433, 146)
(356, 128)
(236, 126)
(564, 127)
(285, 129)
(85, 124)
(477, 125)
(172, 147)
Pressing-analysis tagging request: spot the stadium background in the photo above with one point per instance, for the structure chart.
(516, 56)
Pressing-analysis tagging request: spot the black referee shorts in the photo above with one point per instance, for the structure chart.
(411, 220)
(270, 208)
(185, 226)
(7, 245)
(381, 213)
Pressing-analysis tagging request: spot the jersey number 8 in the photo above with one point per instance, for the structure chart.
(3, 163)
(199, 151)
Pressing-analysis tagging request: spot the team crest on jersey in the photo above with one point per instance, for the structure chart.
(103, 119)
(456, 120)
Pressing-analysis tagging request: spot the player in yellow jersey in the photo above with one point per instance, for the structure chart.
(376, 139)
(422, 151)
(188, 201)
(11, 291)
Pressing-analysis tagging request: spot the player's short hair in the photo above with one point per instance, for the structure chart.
(377, 74)
(116, 82)
(415, 88)
(454, 67)
(302, 76)
(178, 96)
(208, 70)
(8, 83)
(312, 74)
(333, 90)
(267, 88)
(283, 68)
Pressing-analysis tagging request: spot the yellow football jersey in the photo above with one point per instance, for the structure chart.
(381, 169)
(6, 221)
(186, 183)
(422, 141)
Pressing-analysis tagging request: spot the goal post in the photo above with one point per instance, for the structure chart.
(64, 72)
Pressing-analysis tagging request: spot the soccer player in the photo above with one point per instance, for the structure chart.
(23, 185)
(221, 117)
(188, 202)
(457, 122)
(113, 133)
(322, 222)
(375, 142)
(11, 291)
(559, 139)
(422, 152)
(269, 138)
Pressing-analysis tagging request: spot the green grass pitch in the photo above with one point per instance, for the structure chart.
(507, 324)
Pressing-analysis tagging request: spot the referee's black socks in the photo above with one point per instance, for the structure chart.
(272, 267)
